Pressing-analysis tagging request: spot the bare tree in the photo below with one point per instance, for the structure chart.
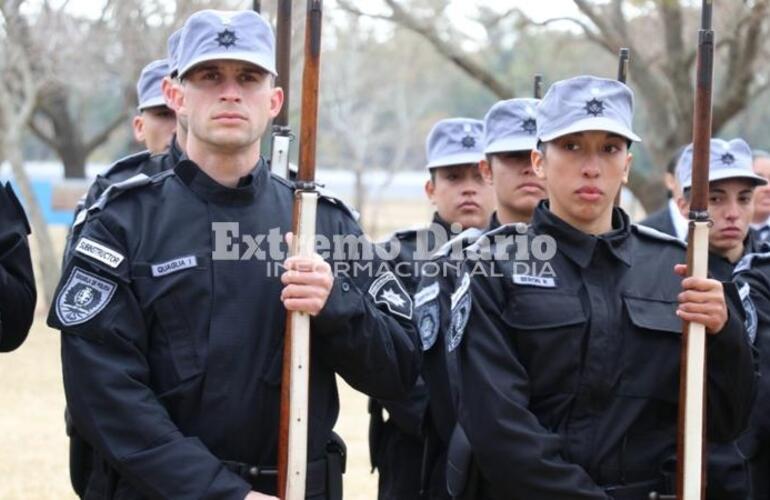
(661, 36)
(22, 76)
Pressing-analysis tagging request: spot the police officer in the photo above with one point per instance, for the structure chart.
(753, 276)
(155, 124)
(17, 283)
(510, 135)
(172, 306)
(404, 448)
(732, 183)
(568, 350)
(761, 220)
(669, 219)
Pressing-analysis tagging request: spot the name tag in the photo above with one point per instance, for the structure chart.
(542, 282)
(173, 266)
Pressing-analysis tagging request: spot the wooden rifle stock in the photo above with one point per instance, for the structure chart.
(281, 140)
(295, 383)
(623, 59)
(692, 388)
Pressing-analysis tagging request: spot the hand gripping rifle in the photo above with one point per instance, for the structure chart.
(295, 383)
(623, 59)
(281, 140)
(692, 384)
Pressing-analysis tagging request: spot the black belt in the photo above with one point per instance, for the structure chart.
(264, 479)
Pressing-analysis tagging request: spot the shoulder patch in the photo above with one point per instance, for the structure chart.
(82, 297)
(99, 252)
(427, 313)
(657, 235)
(461, 311)
(388, 291)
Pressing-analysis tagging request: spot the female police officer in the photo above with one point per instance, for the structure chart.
(567, 337)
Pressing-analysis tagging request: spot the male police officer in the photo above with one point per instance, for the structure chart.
(669, 219)
(172, 314)
(403, 448)
(510, 135)
(731, 188)
(568, 351)
(17, 283)
(155, 124)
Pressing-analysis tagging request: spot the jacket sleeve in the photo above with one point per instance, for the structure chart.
(731, 373)
(17, 282)
(108, 384)
(519, 457)
(365, 331)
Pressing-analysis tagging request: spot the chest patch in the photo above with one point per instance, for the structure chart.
(537, 281)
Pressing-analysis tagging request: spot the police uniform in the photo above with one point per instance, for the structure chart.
(569, 360)
(17, 283)
(509, 126)
(405, 448)
(172, 327)
(752, 276)
(728, 473)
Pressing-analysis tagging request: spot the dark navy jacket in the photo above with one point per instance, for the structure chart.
(172, 358)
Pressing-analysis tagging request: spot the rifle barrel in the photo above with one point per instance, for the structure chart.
(310, 82)
(625, 55)
(283, 50)
(538, 92)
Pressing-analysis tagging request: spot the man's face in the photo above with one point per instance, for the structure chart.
(461, 195)
(154, 127)
(583, 173)
(762, 193)
(228, 104)
(517, 189)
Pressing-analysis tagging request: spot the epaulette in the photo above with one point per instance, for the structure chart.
(323, 193)
(129, 161)
(512, 228)
(332, 197)
(657, 235)
(463, 240)
(750, 260)
(115, 190)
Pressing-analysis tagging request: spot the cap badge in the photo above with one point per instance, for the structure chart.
(468, 142)
(727, 159)
(529, 126)
(226, 38)
(595, 107)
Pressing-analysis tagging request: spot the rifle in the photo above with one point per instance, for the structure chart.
(295, 383)
(623, 59)
(692, 381)
(538, 92)
(282, 137)
(257, 6)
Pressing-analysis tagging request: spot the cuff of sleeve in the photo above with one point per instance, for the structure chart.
(345, 301)
(227, 484)
(728, 341)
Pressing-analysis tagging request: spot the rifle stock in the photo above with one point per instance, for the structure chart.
(692, 384)
(295, 383)
(281, 143)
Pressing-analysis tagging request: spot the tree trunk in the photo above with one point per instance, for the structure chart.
(47, 259)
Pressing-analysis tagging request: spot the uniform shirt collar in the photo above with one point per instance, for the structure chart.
(494, 222)
(210, 190)
(444, 224)
(677, 219)
(579, 246)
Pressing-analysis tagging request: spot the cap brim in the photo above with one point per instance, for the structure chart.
(593, 124)
(732, 173)
(456, 159)
(247, 57)
(514, 144)
(155, 102)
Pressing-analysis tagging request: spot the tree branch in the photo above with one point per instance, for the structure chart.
(105, 133)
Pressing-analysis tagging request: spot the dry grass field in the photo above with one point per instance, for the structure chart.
(33, 444)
